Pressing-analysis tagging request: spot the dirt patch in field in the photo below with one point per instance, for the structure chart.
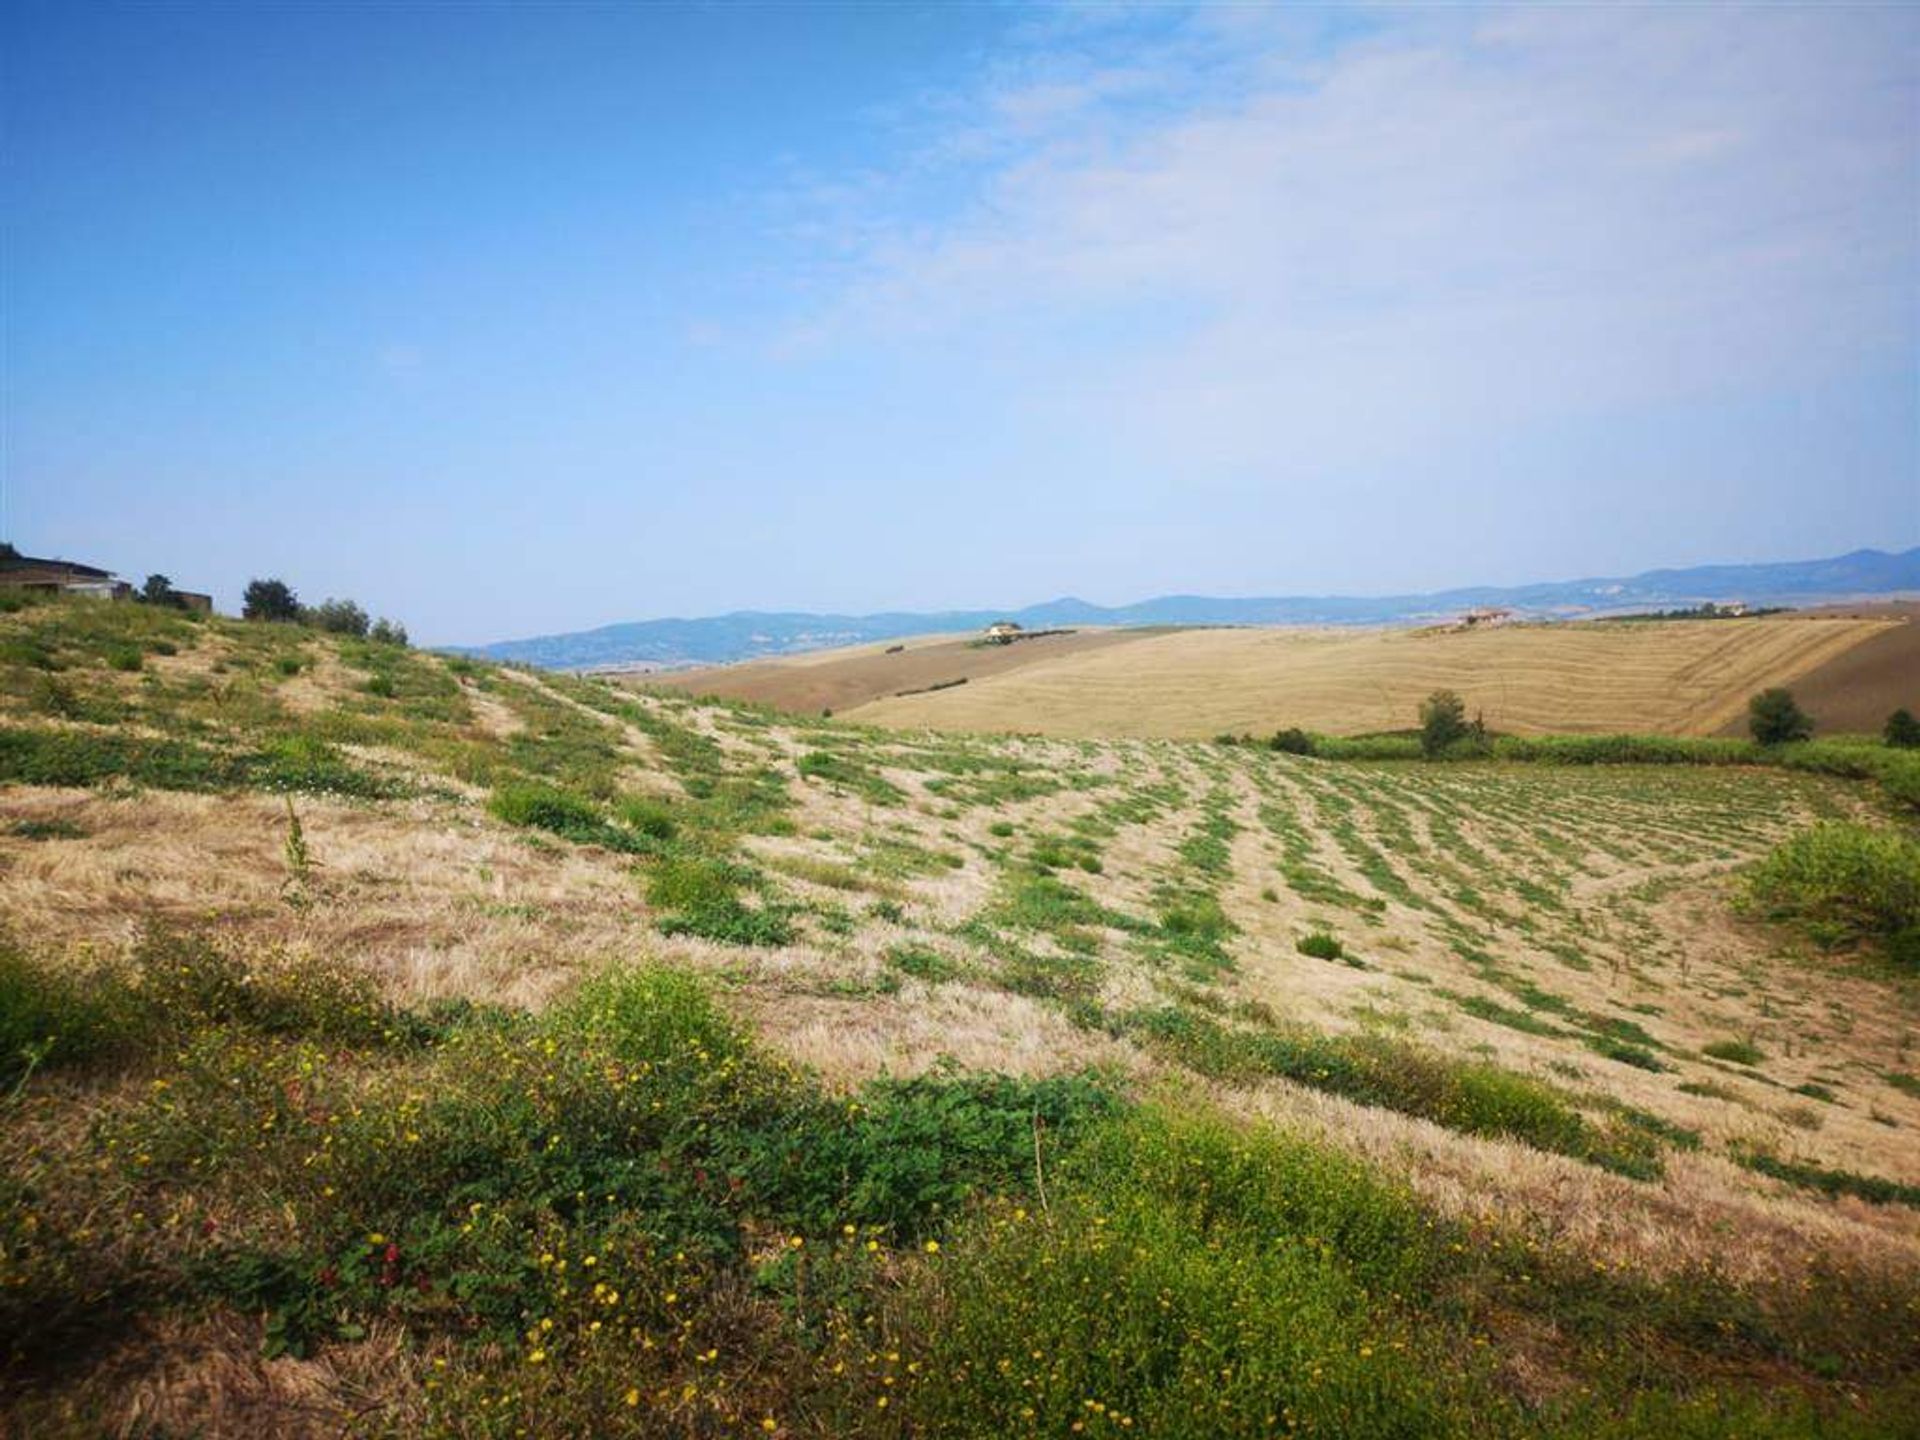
(1854, 692)
(810, 684)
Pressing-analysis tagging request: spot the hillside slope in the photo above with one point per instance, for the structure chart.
(840, 680)
(1669, 677)
(748, 635)
(407, 1044)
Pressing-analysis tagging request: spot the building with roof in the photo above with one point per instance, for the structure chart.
(60, 577)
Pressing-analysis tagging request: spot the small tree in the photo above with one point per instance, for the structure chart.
(1443, 721)
(269, 600)
(1291, 741)
(159, 591)
(1903, 731)
(1775, 718)
(339, 617)
(388, 632)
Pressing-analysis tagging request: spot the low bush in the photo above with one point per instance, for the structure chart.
(1775, 718)
(1320, 946)
(1291, 741)
(1847, 883)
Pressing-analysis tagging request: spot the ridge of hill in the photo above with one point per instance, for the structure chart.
(750, 634)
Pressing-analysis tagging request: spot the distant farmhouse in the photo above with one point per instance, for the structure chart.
(70, 577)
(1004, 632)
(61, 577)
(1485, 618)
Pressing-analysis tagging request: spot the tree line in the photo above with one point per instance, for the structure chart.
(275, 600)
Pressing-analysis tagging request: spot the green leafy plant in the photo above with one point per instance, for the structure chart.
(1774, 717)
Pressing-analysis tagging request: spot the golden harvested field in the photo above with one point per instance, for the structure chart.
(840, 680)
(1671, 677)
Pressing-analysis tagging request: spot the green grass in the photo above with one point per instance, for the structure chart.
(1321, 946)
(1739, 1052)
(625, 1196)
(1874, 1189)
(1471, 1097)
(439, 1176)
(34, 756)
(850, 774)
(705, 896)
(1846, 883)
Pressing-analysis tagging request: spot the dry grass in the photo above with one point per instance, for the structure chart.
(841, 679)
(1470, 896)
(1680, 677)
(437, 901)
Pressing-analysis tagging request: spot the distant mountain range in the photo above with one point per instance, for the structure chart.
(748, 634)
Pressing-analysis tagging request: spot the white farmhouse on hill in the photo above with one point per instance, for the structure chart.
(1003, 632)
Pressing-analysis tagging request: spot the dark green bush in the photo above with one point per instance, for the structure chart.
(1775, 718)
(269, 600)
(1291, 741)
(1443, 723)
(338, 617)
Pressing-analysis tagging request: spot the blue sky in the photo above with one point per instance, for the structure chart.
(507, 320)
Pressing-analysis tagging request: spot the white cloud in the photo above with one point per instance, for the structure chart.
(1448, 222)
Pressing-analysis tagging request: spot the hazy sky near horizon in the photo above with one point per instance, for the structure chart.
(515, 319)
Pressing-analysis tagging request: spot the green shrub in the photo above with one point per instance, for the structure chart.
(1739, 1052)
(269, 600)
(1775, 718)
(1902, 731)
(1846, 882)
(338, 617)
(1321, 946)
(1443, 723)
(1291, 741)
